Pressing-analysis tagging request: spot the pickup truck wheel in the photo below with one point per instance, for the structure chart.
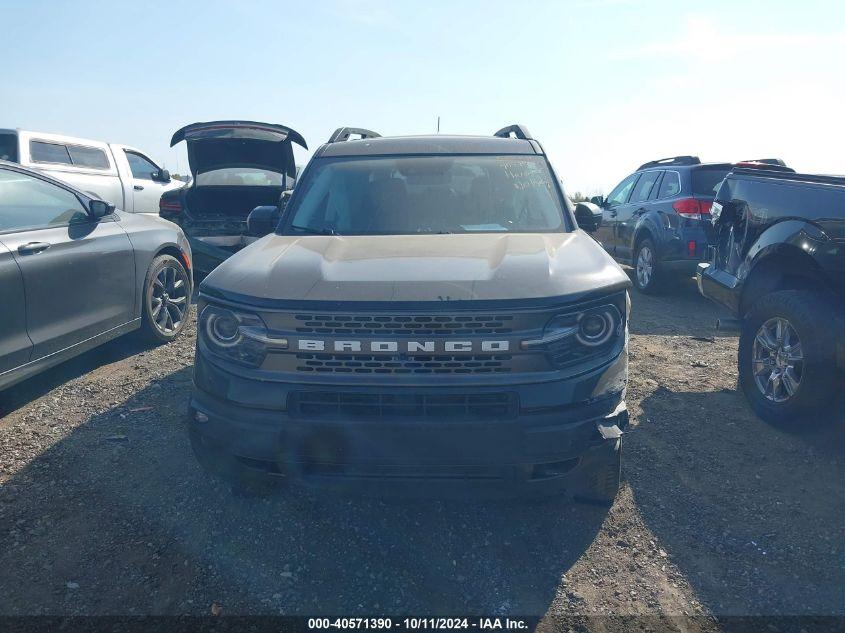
(166, 299)
(647, 273)
(787, 365)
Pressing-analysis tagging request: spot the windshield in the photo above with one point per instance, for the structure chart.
(427, 194)
(246, 176)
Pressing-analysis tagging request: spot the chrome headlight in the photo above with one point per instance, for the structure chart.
(236, 335)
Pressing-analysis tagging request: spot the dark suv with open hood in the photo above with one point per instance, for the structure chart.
(426, 315)
(236, 166)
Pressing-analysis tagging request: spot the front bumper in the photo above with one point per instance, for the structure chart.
(558, 446)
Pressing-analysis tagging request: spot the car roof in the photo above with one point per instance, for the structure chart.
(430, 144)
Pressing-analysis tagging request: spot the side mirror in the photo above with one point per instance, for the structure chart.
(597, 200)
(588, 216)
(162, 175)
(263, 220)
(100, 208)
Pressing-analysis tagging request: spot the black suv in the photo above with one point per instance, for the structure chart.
(779, 265)
(658, 218)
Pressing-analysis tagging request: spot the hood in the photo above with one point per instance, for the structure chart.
(282, 269)
(220, 144)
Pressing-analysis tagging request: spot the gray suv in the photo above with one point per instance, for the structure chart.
(426, 316)
(75, 273)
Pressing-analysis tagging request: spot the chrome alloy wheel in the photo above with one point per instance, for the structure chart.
(169, 299)
(645, 266)
(777, 360)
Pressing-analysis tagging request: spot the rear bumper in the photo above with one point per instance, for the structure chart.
(544, 450)
(718, 286)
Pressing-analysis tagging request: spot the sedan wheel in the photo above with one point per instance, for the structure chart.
(169, 299)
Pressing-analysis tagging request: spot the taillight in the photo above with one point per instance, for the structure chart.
(691, 208)
(169, 206)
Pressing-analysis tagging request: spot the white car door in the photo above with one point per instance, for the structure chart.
(146, 190)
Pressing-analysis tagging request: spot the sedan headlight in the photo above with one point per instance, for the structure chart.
(237, 336)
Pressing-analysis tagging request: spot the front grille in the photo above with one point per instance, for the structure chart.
(372, 364)
(404, 325)
(344, 405)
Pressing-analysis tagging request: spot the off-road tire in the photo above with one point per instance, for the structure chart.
(602, 477)
(215, 461)
(813, 320)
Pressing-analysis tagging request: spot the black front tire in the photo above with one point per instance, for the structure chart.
(812, 319)
(217, 462)
(602, 476)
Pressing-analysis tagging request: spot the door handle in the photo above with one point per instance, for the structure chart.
(614, 213)
(33, 247)
(138, 188)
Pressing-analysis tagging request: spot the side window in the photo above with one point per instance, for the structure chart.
(620, 194)
(42, 152)
(141, 167)
(644, 185)
(88, 157)
(27, 202)
(671, 185)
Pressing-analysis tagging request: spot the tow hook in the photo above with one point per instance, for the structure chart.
(609, 432)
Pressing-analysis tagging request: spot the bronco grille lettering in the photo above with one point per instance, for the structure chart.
(411, 347)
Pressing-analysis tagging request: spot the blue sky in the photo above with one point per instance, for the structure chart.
(604, 84)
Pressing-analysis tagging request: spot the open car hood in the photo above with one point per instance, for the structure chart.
(220, 144)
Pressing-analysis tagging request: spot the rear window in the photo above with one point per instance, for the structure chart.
(9, 147)
(42, 152)
(77, 155)
(705, 182)
(88, 157)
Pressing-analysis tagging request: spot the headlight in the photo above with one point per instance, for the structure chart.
(574, 337)
(238, 336)
(597, 327)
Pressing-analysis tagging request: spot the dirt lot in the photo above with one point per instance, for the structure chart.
(103, 510)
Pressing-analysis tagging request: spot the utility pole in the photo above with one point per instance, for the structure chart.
(438, 124)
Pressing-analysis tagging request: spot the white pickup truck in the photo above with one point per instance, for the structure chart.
(119, 174)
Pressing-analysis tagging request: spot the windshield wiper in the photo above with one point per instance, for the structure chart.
(314, 231)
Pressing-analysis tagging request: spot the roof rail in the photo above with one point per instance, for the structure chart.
(518, 131)
(675, 160)
(343, 134)
(766, 161)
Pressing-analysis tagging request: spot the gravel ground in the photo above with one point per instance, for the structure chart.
(104, 511)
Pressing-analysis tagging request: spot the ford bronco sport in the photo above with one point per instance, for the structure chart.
(427, 316)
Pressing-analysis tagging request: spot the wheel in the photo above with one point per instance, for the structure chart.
(787, 364)
(215, 461)
(166, 299)
(647, 273)
(602, 476)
